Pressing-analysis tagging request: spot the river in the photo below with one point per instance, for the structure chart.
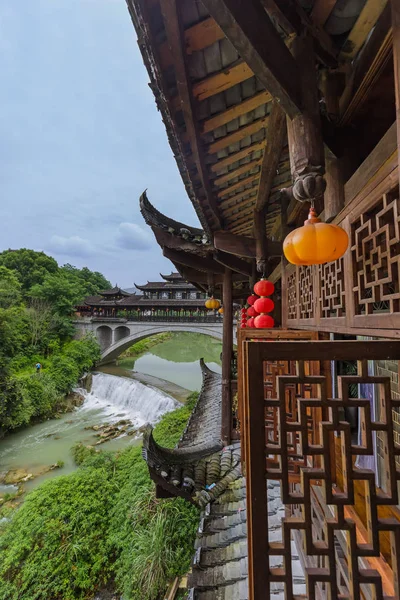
(140, 389)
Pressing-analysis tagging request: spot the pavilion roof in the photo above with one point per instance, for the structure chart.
(163, 285)
(115, 291)
(172, 277)
(225, 120)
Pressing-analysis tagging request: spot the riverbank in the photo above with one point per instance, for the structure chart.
(101, 524)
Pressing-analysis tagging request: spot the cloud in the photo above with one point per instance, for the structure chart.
(132, 237)
(70, 246)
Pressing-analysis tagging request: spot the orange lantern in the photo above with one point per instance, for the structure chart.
(221, 310)
(315, 243)
(212, 303)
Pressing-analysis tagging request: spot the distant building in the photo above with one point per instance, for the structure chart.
(172, 298)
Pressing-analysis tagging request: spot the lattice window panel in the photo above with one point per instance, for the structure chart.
(334, 510)
(306, 292)
(297, 441)
(292, 295)
(332, 296)
(375, 239)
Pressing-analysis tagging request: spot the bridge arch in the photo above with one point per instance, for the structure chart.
(121, 332)
(104, 334)
(114, 350)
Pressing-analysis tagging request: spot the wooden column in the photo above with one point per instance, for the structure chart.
(396, 62)
(227, 349)
(334, 194)
(306, 148)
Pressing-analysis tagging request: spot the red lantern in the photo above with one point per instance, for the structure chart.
(264, 287)
(264, 322)
(251, 311)
(251, 299)
(250, 322)
(264, 305)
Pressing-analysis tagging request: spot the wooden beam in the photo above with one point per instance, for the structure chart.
(261, 240)
(197, 37)
(194, 262)
(234, 200)
(321, 11)
(362, 28)
(396, 64)
(306, 148)
(248, 27)
(221, 81)
(240, 171)
(236, 111)
(235, 244)
(276, 134)
(374, 161)
(236, 156)
(368, 67)
(294, 21)
(233, 263)
(238, 135)
(173, 28)
(227, 352)
(238, 185)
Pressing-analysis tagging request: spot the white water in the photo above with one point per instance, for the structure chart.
(112, 398)
(121, 397)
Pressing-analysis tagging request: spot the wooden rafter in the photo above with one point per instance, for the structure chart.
(238, 185)
(276, 133)
(238, 135)
(243, 169)
(293, 20)
(235, 111)
(197, 37)
(221, 81)
(362, 28)
(173, 30)
(368, 67)
(233, 263)
(234, 200)
(236, 156)
(250, 30)
(207, 265)
(396, 61)
(321, 11)
(234, 244)
(242, 205)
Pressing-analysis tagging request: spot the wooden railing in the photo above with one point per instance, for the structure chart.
(293, 431)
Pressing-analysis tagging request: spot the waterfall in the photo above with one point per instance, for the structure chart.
(121, 397)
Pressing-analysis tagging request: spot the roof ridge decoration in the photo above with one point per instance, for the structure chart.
(199, 468)
(154, 218)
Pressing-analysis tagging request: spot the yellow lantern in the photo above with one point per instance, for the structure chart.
(221, 310)
(315, 243)
(212, 303)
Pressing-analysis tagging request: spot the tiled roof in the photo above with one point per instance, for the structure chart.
(115, 291)
(172, 277)
(158, 285)
(140, 301)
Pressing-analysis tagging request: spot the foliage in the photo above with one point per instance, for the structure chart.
(101, 523)
(55, 546)
(145, 344)
(36, 300)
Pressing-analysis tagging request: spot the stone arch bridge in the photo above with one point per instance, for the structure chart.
(116, 335)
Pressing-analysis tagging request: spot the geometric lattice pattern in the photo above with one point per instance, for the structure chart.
(292, 295)
(332, 293)
(306, 433)
(307, 292)
(376, 257)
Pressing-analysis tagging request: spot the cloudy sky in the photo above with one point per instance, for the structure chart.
(81, 138)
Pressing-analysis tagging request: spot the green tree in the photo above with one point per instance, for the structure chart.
(30, 267)
(10, 288)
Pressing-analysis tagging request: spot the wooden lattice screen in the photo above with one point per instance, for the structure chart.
(362, 289)
(295, 432)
